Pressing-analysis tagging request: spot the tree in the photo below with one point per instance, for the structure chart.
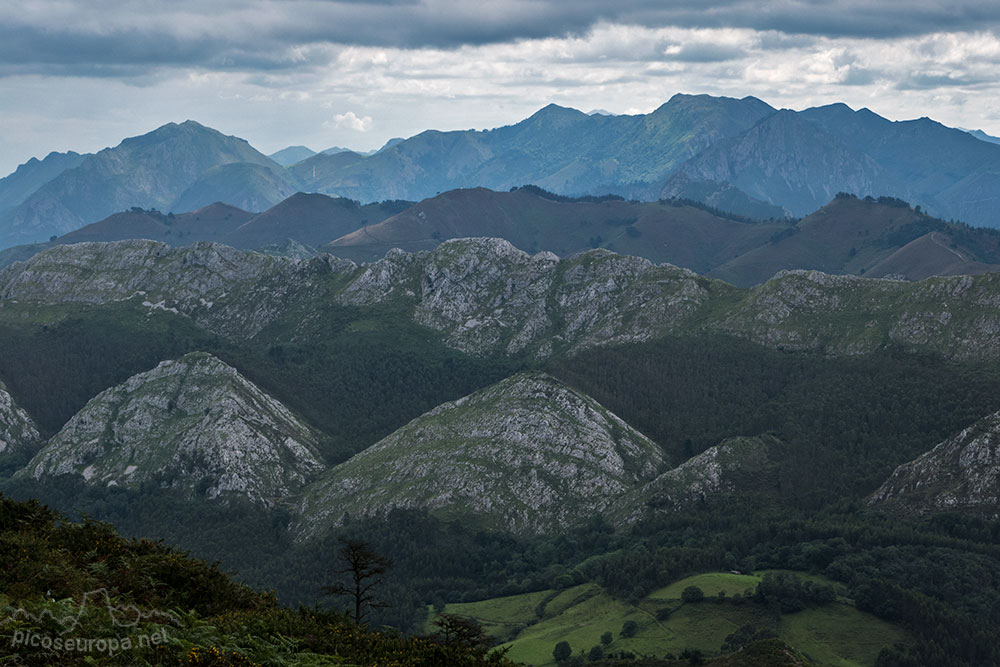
(629, 629)
(562, 651)
(607, 638)
(692, 594)
(596, 653)
(467, 632)
(365, 568)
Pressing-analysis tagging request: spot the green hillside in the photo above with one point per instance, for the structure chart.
(831, 634)
(78, 594)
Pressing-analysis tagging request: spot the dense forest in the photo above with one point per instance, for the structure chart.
(837, 427)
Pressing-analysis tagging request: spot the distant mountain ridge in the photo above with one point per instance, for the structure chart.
(291, 155)
(738, 155)
(873, 237)
(32, 175)
(150, 171)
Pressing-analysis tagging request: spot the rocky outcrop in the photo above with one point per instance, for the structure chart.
(528, 455)
(18, 433)
(487, 297)
(194, 425)
(228, 291)
(734, 465)
(961, 473)
(956, 316)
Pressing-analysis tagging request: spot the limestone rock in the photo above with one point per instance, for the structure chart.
(194, 425)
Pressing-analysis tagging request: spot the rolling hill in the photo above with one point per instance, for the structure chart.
(873, 237)
(310, 219)
(210, 223)
(535, 220)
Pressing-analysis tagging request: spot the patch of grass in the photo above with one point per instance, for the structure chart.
(710, 584)
(499, 614)
(570, 597)
(836, 634)
(581, 625)
(839, 635)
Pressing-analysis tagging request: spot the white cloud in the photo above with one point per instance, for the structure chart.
(300, 93)
(350, 121)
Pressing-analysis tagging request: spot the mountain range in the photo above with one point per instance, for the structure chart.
(877, 238)
(739, 155)
(532, 417)
(197, 426)
(560, 372)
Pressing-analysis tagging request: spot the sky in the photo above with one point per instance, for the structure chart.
(82, 75)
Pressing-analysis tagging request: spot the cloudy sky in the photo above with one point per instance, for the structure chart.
(83, 74)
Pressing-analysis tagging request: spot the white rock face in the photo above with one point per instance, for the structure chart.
(18, 432)
(957, 316)
(194, 424)
(485, 297)
(488, 297)
(961, 473)
(227, 291)
(527, 455)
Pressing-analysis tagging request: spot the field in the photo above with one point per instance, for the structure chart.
(532, 624)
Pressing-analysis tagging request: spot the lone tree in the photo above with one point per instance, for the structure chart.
(467, 632)
(365, 568)
(562, 651)
(692, 594)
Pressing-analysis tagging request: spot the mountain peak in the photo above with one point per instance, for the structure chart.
(528, 454)
(958, 474)
(194, 425)
(554, 112)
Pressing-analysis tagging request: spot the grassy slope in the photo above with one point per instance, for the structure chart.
(836, 634)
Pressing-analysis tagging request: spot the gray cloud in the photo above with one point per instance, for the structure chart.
(84, 37)
(929, 80)
(82, 74)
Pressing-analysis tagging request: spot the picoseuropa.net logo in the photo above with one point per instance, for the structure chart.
(61, 627)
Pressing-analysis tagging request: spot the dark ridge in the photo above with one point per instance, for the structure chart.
(545, 194)
(718, 212)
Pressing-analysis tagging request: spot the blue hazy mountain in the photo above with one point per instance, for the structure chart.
(149, 171)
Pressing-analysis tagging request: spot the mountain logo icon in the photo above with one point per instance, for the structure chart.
(127, 616)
